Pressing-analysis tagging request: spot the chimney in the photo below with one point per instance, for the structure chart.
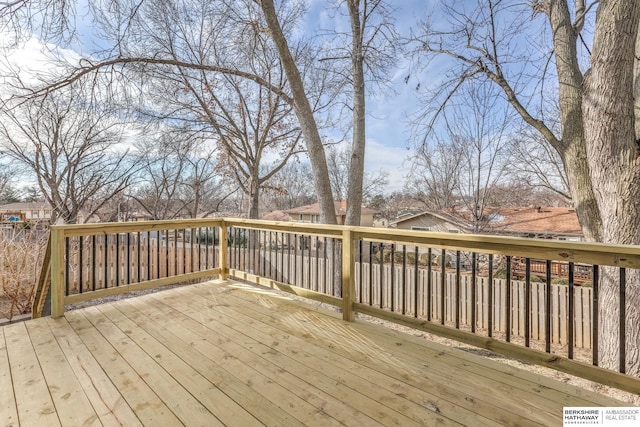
(343, 204)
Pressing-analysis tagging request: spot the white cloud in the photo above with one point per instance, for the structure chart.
(392, 159)
(34, 63)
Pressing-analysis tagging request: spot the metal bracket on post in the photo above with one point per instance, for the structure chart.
(348, 276)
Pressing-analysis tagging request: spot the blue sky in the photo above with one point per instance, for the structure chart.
(388, 133)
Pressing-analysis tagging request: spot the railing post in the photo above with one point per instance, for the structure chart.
(57, 272)
(348, 276)
(42, 289)
(223, 259)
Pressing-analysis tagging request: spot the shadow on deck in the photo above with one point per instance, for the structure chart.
(227, 353)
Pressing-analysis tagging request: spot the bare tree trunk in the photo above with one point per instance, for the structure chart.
(196, 201)
(615, 167)
(312, 139)
(356, 163)
(574, 158)
(254, 196)
(572, 146)
(636, 88)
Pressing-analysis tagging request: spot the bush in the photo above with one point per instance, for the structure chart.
(21, 252)
(500, 273)
(437, 260)
(397, 257)
(423, 260)
(386, 256)
(237, 241)
(207, 238)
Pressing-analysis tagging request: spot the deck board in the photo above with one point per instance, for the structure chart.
(142, 399)
(33, 401)
(7, 398)
(110, 406)
(193, 353)
(297, 401)
(340, 369)
(314, 385)
(156, 373)
(420, 352)
(439, 386)
(71, 403)
(226, 353)
(218, 403)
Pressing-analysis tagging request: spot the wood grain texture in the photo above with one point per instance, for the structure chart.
(230, 353)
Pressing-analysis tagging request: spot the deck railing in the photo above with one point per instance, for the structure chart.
(481, 290)
(91, 261)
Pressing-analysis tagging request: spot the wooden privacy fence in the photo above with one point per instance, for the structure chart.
(559, 303)
(315, 274)
(101, 262)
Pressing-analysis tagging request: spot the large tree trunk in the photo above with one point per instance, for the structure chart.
(615, 167)
(571, 147)
(636, 88)
(356, 162)
(254, 196)
(304, 113)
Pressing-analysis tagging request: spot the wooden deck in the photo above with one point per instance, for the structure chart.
(225, 353)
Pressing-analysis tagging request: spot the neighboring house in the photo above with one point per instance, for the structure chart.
(538, 222)
(275, 216)
(36, 213)
(311, 213)
(138, 216)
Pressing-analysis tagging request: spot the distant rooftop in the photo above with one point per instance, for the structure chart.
(25, 206)
(519, 220)
(275, 216)
(314, 209)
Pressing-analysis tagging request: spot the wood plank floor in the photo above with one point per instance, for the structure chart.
(226, 353)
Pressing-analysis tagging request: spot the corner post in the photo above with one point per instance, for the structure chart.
(348, 278)
(223, 260)
(57, 272)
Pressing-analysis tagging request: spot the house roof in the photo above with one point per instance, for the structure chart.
(522, 220)
(25, 206)
(539, 220)
(314, 209)
(275, 216)
(443, 215)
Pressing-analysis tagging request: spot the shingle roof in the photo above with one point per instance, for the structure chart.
(314, 209)
(275, 216)
(522, 220)
(25, 206)
(536, 220)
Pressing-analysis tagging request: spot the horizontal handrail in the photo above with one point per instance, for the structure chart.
(70, 230)
(591, 253)
(627, 256)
